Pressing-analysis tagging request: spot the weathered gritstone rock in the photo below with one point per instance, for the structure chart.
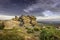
(29, 20)
(11, 24)
(27, 25)
(22, 21)
(33, 20)
(26, 19)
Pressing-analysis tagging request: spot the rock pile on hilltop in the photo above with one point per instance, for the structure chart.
(22, 21)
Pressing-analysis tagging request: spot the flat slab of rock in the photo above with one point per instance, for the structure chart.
(11, 24)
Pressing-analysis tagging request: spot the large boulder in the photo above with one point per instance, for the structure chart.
(28, 20)
(11, 24)
(33, 20)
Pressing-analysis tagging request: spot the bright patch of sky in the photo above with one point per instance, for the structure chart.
(6, 17)
(50, 13)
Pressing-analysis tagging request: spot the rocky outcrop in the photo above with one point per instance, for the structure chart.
(28, 20)
(22, 21)
(11, 24)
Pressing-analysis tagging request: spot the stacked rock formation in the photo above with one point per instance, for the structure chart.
(22, 21)
(28, 20)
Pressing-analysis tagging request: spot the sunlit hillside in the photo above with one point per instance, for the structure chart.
(26, 27)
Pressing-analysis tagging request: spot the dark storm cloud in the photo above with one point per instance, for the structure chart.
(14, 7)
(45, 5)
(33, 7)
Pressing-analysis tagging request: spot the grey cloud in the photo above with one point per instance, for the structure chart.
(31, 7)
(14, 7)
(43, 5)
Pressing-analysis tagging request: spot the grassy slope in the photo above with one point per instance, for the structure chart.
(39, 32)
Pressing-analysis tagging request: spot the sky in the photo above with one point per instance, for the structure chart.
(43, 8)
